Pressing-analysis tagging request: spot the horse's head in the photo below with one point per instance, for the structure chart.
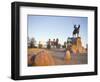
(78, 27)
(75, 27)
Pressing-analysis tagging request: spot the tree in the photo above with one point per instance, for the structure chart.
(32, 43)
(49, 44)
(28, 42)
(40, 45)
(57, 43)
(65, 43)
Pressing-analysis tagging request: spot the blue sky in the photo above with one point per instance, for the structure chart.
(44, 27)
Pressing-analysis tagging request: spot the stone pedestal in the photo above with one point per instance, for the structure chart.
(76, 44)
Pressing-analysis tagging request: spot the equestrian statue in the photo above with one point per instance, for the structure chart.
(76, 30)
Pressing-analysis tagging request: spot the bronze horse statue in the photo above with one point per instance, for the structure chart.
(76, 30)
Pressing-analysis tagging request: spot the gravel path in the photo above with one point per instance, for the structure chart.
(59, 57)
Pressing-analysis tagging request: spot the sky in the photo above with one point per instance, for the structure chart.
(44, 27)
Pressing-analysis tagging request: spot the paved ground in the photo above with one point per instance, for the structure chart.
(59, 57)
